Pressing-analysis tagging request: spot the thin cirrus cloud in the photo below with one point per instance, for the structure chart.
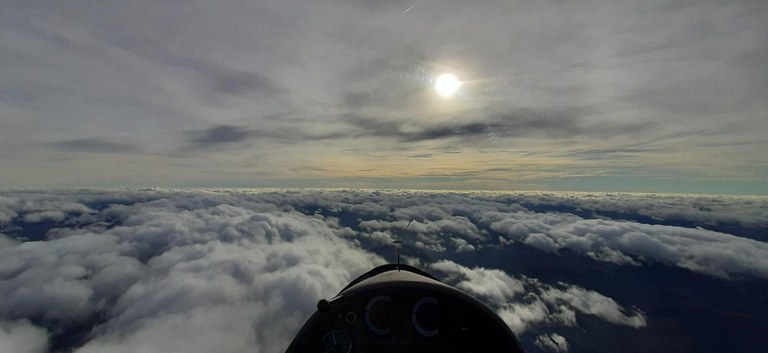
(640, 96)
(546, 124)
(186, 270)
(218, 135)
(97, 145)
(226, 80)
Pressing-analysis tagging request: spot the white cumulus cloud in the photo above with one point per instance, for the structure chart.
(236, 270)
(552, 342)
(526, 302)
(22, 337)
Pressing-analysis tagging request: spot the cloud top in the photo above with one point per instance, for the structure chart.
(194, 270)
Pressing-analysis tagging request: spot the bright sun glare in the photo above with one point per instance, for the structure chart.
(447, 84)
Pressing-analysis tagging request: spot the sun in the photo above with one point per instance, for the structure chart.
(447, 84)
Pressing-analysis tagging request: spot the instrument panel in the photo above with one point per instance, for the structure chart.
(402, 311)
(410, 321)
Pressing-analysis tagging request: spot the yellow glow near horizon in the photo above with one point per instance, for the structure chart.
(447, 84)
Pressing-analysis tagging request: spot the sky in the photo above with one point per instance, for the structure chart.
(665, 96)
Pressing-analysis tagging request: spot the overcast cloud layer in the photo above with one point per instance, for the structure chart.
(589, 95)
(240, 270)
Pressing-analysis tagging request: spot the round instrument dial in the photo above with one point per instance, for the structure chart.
(378, 315)
(424, 317)
(336, 341)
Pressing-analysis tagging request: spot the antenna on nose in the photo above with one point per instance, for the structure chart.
(398, 242)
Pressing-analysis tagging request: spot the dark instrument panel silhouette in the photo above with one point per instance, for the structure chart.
(399, 308)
